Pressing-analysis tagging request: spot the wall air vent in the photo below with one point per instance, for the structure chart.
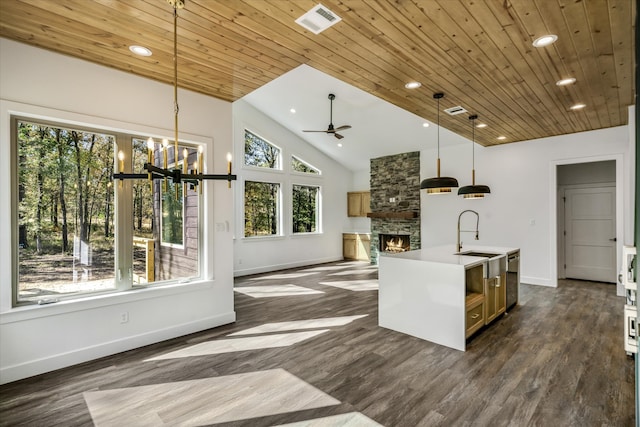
(455, 110)
(318, 19)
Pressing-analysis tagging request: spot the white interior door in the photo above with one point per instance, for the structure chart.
(590, 231)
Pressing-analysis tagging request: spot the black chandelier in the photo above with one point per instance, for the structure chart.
(178, 175)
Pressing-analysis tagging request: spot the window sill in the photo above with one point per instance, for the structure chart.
(303, 235)
(28, 312)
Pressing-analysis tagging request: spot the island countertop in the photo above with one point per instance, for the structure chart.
(423, 292)
(446, 254)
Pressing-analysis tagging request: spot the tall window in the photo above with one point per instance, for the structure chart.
(65, 212)
(258, 152)
(305, 208)
(261, 208)
(66, 215)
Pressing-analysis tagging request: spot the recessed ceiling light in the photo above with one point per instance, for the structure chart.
(340, 144)
(413, 85)
(140, 50)
(293, 111)
(481, 125)
(425, 125)
(502, 138)
(545, 40)
(578, 106)
(567, 81)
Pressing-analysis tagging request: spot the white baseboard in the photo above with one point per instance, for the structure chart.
(35, 367)
(539, 281)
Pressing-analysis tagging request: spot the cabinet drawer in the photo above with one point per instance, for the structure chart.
(475, 319)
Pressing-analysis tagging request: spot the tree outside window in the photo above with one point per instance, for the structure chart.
(65, 211)
(66, 215)
(261, 208)
(260, 153)
(301, 166)
(305, 208)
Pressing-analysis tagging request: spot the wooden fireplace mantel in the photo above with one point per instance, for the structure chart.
(399, 215)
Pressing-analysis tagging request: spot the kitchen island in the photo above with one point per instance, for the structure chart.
(440, 296)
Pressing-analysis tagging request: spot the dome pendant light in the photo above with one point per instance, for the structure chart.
(473, 191)
(438, 185)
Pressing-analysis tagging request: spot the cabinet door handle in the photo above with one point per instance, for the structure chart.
(475, 316)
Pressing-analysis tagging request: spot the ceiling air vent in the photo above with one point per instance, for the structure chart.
(455, 110)
(318, 19)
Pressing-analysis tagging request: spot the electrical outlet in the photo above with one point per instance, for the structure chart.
(124, 317)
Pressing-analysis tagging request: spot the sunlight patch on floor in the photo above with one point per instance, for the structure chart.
(350, 419)
(354, 285)
(327, 322)
(282, 276)
(205, 401)
(267, 291)
(240, 344)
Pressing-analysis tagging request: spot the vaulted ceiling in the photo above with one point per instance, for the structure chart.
(479, 52)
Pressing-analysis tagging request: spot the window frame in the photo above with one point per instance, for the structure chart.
(279, 201)
(318, 208)
(309, 174)
(279, 166)
(123, 140)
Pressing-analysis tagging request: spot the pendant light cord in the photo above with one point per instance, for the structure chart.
(438, 130)
(176, 109)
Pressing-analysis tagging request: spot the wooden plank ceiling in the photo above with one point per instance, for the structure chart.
(478, 52)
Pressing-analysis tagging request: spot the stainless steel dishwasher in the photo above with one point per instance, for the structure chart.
(513, 278)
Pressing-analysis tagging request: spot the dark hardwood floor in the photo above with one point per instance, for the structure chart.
(555, 360)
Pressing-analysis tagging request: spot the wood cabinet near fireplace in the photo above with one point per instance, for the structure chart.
(358, 203)
(356, 246)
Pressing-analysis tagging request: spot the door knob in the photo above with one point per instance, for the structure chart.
(615, 239)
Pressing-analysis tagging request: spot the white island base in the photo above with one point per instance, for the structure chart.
(423, 293)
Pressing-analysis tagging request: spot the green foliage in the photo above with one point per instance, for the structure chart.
(260, 153)
(63, 178)
(172, 214)
(299, 166)
(305, 209)
(261, 208)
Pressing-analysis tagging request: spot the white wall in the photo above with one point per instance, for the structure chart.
(521, 209)
(256, 255)
(41, 84)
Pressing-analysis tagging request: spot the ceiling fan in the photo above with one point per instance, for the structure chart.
(331, 129)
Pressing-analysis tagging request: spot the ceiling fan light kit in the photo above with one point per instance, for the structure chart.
(331, 129)
(473, 191)
(438, 184)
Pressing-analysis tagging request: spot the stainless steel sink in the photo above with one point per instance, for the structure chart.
(495, 265)
(480, 254)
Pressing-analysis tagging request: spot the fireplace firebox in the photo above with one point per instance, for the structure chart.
(394, 243)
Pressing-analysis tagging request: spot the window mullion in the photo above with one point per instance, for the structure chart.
(123, 217)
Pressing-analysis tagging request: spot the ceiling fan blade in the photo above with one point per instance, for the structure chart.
(337, 135)
(323, 131)
(343, 127)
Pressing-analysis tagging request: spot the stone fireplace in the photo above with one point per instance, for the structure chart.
(395, 203)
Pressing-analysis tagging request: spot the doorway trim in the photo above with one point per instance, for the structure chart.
(553, 211)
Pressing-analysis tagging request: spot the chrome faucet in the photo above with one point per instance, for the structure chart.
(459, 243)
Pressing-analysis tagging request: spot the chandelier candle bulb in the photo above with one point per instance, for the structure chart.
(165, 147)
(150, 144)
(121, 162)
(121, 159)
(185, 165)
(229, 169)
